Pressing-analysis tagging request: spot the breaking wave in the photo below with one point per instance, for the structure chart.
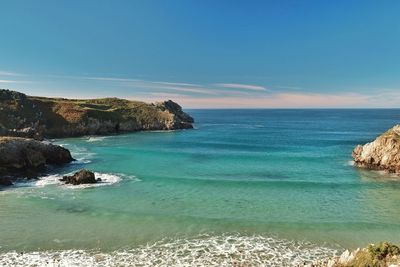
(106, 179)
(205, 250)
(96, 138)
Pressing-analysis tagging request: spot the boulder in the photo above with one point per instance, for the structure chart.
(28, 157)
(5, 182)
(81, 177)
(381, 154)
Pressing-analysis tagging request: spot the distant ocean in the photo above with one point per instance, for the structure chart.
(251, 186)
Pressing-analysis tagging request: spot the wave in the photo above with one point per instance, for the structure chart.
(96, 138)
(206, 250)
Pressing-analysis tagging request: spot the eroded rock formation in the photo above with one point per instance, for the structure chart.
(381, 154)
(28, 157)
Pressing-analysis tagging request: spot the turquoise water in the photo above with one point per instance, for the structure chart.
(285, 174)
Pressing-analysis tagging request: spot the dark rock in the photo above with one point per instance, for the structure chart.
(80, 177)
(28, 157)
(5, 182)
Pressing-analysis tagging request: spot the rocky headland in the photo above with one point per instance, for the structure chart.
(38, 117)
(381, 154)
(24, 157)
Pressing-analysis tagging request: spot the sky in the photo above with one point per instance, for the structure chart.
(205, 53)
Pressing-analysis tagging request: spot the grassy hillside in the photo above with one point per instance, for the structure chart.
(71, 117)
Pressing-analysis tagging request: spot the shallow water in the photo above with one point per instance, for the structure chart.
(259, 174)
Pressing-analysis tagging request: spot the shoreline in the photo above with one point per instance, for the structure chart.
(205, 250)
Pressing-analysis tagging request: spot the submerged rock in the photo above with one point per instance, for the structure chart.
(28, 157)
(381, 154)
(81, 177)
(38, 117)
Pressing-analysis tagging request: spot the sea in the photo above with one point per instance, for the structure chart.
(254, 187)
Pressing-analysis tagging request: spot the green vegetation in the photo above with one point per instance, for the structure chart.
(59, 117)
(380, 255)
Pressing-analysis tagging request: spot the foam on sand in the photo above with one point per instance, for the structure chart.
(205, 250)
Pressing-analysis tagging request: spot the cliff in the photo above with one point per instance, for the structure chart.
(381, 154)
(29, 116)
(28, 157)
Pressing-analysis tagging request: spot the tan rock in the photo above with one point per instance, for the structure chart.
(381, 154)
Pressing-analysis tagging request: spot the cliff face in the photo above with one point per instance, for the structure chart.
(381, 154)
(28, 157)
(28, 116)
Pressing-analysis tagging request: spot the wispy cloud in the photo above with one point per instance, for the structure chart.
(281, 100)
(166, 95)
(160, 85)
(7, 81)
(8, 73)
(178, 84)
(197, 90)
(242, 86)
(110, 79)
(14, 81)
(202, 95)
(288, 87)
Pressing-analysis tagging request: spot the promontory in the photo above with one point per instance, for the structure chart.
(30, 116)
(381, 154)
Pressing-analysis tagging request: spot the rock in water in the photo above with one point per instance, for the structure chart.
(27, 157)
(81, 177)
(381, 154)
(5, 182)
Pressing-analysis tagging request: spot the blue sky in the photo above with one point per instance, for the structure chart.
(205, 53)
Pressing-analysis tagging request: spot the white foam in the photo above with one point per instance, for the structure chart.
(96, 138)
(350, 163)
(81, 161)
(106, 179)
(48, 180)
(206, 250)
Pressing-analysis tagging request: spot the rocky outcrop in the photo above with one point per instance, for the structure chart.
(383, 254)
(381, 154)
(28, 157)
(81, 177)
(37, 117)
(4, 181)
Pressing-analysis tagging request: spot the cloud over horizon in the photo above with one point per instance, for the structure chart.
(199, 95)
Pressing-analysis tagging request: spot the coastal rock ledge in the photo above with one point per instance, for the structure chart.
(381, 154)
(28, 157)
(383, 254)
(41, 117)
